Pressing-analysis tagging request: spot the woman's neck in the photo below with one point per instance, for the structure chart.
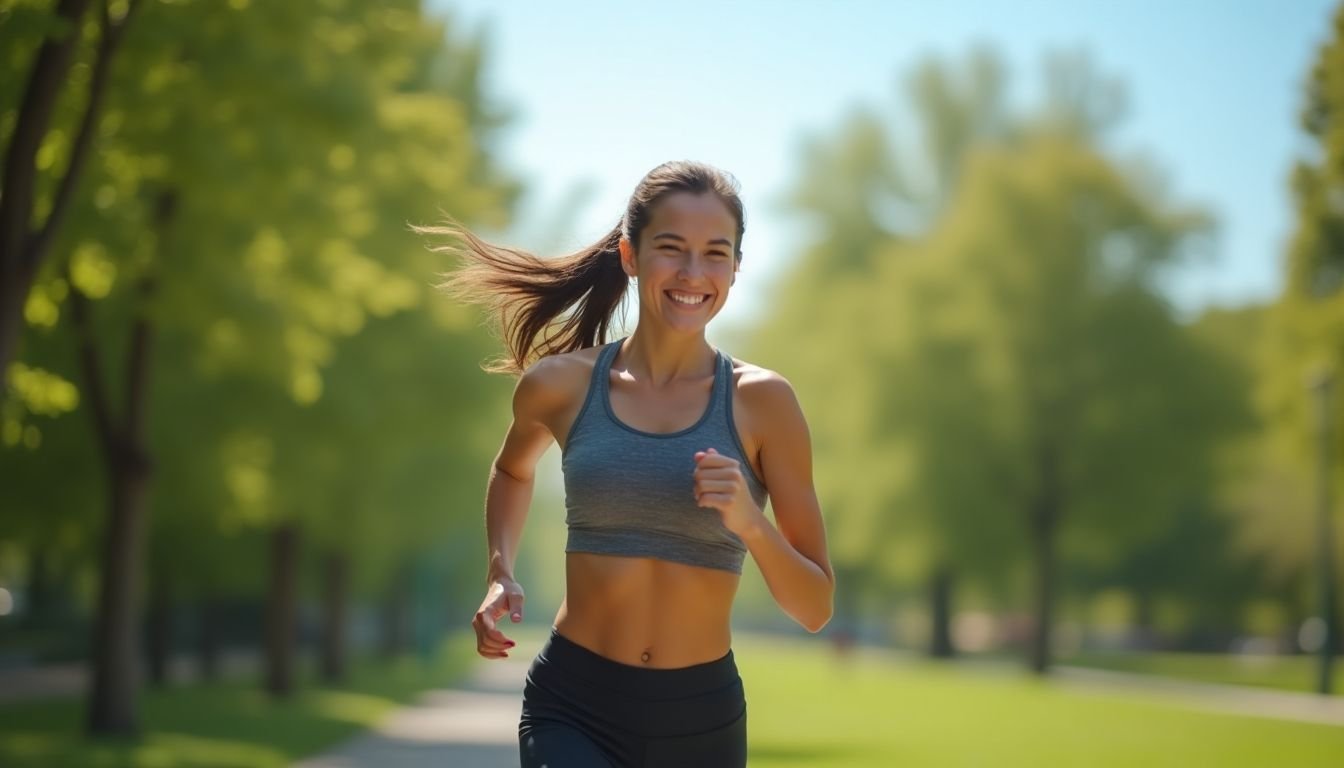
(663, 357)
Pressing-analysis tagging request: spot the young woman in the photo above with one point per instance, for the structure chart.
(669, 448)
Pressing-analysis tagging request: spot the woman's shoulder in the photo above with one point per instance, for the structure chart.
(757, 386)
(768, 408)
(758, 380)
(557, 379)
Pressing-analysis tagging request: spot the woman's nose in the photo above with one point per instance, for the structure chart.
(693, 266)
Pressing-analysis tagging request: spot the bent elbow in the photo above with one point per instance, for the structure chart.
(817, 622)
(822, 617)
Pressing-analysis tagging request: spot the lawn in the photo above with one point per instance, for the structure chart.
(229, 724)
(808, 708)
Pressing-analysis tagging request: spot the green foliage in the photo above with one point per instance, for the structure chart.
(304, 368)
(1300, 338)
(1017, 317)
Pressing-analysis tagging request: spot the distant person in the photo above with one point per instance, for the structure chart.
(669, 448)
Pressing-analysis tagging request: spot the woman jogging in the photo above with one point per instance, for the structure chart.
(669, 449)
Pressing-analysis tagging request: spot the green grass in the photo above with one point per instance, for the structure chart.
(1289, 673)
(807, 708)
(225, 724)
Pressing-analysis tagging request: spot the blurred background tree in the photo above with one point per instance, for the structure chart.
(1022, 394)
(1302, 347)
(242, 230)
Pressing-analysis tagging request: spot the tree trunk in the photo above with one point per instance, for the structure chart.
(116, 641)
(396, 615)
(207, 644)
(113, 699)
(38, 607)
(23, 248)
(940, 610)
(1044, 522)
(160, 629)
(51, 64)
(1145, 633)
(334, 601)
(112, 705)
(282, 611)
(15, 282)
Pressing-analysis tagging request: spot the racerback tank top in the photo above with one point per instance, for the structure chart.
(631, 493)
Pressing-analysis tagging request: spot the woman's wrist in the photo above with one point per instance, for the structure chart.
(498, 570)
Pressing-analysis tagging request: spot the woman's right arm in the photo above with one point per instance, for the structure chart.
(536, 401)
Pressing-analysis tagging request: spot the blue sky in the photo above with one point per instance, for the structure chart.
(604, 91)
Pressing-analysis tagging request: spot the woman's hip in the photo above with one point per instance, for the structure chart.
(569, 682)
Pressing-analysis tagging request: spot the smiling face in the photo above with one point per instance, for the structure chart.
(684, 261)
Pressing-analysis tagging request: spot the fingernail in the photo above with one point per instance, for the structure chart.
(510, 644)
(517, 617)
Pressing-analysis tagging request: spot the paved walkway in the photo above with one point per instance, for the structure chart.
(474, 727)
(1210, 697)
(72, 679)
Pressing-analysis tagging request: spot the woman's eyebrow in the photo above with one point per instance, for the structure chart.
(680, 239)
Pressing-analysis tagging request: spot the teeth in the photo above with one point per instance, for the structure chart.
(682, 298)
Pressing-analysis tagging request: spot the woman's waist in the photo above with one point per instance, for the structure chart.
(569, 680)
(654, 648)
(647, 612)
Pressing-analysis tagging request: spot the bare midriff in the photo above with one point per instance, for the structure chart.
(645, 612)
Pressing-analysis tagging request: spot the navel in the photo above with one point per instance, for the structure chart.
(644, 657)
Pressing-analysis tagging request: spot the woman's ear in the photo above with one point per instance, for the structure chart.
(627, 249)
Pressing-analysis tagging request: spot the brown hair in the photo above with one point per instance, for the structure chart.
(527, 296)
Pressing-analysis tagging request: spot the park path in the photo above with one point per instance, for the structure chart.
(474, 726)
(1209, 697)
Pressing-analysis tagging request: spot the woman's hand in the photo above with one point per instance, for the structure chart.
(719, 484)
(505, 596)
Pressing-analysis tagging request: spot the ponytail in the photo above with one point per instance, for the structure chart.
(527, 296)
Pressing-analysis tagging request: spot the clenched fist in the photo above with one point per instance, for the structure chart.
(720, 485)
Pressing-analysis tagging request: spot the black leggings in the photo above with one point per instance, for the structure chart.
(582, 710)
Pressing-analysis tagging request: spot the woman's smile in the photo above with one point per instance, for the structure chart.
(687, 299)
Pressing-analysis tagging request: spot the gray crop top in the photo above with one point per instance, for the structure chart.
(630, 492)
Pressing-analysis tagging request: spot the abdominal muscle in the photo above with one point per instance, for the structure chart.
(645, 612)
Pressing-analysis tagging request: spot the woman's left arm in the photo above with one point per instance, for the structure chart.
(791, 553)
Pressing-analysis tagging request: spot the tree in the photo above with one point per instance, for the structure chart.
(869, 202)
(980, 410)
(1092, 413)
(1305, 340)
(286, 140)
(863, 198)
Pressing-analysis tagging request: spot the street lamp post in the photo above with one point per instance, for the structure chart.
(1324, 388)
